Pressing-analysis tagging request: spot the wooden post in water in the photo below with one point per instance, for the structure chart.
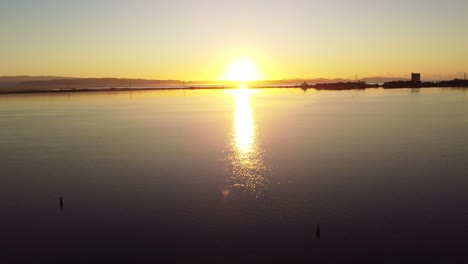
(61, 203)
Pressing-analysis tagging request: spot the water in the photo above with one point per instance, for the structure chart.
(235, 176)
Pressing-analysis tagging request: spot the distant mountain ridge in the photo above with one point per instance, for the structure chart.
(23, 78)
(382, 79)
(97, 82)
(9, 81)
(24, 82)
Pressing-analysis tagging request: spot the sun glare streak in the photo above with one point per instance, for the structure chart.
(246, 155)
(243, 122)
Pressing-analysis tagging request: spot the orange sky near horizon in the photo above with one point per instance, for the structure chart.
(201, 40)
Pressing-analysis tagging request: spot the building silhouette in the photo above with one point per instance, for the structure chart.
(415, 77)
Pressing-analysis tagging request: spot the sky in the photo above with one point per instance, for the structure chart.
(197, 40)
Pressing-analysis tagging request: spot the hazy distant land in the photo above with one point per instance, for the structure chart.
(23, 82)
(35, 84)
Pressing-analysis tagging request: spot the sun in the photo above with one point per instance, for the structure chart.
(242, 70)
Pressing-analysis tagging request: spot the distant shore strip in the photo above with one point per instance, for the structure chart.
(456, 83)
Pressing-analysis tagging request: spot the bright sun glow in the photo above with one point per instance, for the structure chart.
(242, 70)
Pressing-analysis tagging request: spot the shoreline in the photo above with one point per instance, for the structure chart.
(122, 89)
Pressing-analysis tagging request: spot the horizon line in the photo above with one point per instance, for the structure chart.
(200, 80)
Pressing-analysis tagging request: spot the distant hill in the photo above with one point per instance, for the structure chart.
(24, 78)
(23, 82)
(382, 79)
(299, 81)
(11, 81)
(95, 82)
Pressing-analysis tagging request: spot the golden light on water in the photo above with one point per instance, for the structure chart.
(246, 155)
(244, 129)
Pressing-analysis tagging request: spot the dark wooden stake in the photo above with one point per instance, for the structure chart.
(61, 203)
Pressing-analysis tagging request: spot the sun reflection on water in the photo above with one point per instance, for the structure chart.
(245, 153)
(244, 130)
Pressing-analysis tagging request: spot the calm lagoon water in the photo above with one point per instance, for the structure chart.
(232, 176)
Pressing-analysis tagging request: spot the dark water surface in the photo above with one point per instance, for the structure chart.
(235, 176)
